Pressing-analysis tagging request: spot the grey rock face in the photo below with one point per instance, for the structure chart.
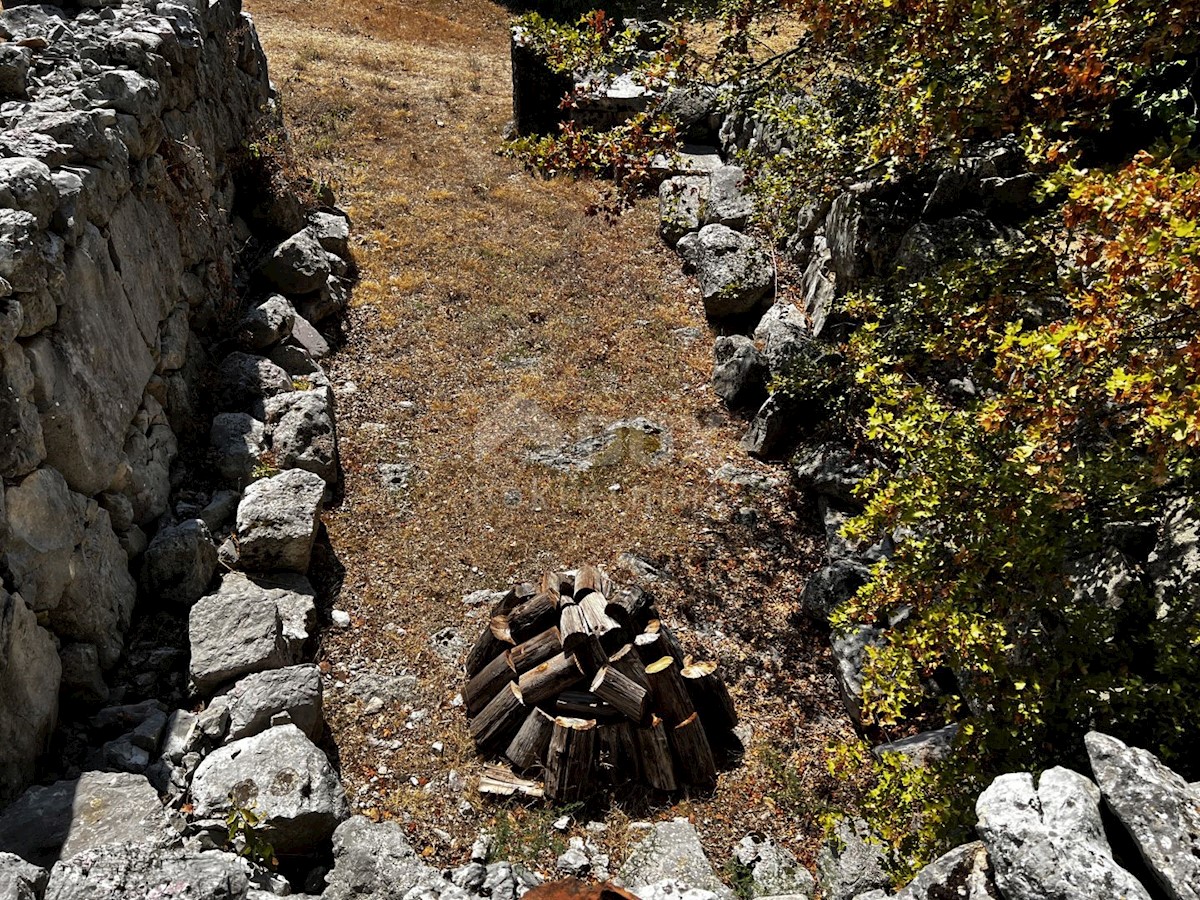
(728, 203)
(849, 656)
(671, 851)
(739, 371)
(1174, 566)
(283, 776)
(257, 699)
(21, 880)
(82, 677)
(783, 333)
(1048, 841)
(29, 677)
(767, 429)
(1158, 809)
(303, 433)
(96, 810)
(135, 872)
(681, 206)
(266, 324)
(830, 470)
(634, 441)
(45, 525)
(735, 271)
(239, 441)
(773, 870)
(963, 873)
(247, 380)
(233, 632)
(924, 748)
(298, 265)
(851, 866)
(831, 585)
(332, 232)
(14, 71)
(373, 862)
(179, 563)
(818, 286)
(18, 412)
(277, 521)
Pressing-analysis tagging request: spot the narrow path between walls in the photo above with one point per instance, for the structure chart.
(493, 318)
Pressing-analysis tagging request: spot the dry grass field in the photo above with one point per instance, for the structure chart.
(493, 315)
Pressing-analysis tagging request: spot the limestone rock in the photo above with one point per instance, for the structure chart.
(963, 873)
(373, 861)
(29, 677)
(14, 71)
(303, 433)
(179, 563)
(21, 880)
(45, 525)
(281, 775)
(246, 379)
(298, 265)
(97, 809)
(27, 184)
(332, 231)
(728, 203)
(681, 206)
(735, 271)
(849, 656)
(1157, 808)
(773, 871)
(831, 585)
(852, 864)
(135, 872)
(25, 446)
(924, 748)
(266, 324)
(233, 632)
(783, 333)
(1174, 566)
(768, 428)
(671, 851)
(82, 677)
(739, 372)
(277, 521)
(238, 441)
(1048, 841)
(257, 699)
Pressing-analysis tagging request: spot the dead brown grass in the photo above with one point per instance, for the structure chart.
(492, 312)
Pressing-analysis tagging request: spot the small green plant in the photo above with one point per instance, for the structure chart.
(245, 837)
(524, 832)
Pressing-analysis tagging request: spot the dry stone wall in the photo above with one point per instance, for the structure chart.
(120, 129)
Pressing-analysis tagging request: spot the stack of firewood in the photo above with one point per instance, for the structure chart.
(579, 678)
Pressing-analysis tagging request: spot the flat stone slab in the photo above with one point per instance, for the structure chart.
(235, 631)
(97, 809)
(137, 872)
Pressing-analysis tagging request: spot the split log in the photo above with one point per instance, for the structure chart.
(623, 693)
(550, 679)
(591, 655)
(488, 682)
(601, 623)
(558, 583)
(671, 700)
(571, 759)
(621, 757)
(499, 721)
(711, 698)
(573, 626)
(494, 640)
(654, 752)
(500, 781)
(693, 753)
(585, 704)
(536, 650)
(628, 663)
(631, 607)
(533, 617)
(587, 579)
(658, 641)
(514, 598)
(528, 748)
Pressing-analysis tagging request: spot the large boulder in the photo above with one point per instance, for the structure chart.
(29, 677)
(374, 861)
(277, 521)
(246, 380)
(247, 626)
(964, 873)
(14, 71)
(772, 870)
(1047, 839)
(681, 206)
(238, 441)
(45, 525)
(1174, 566)
(671, 851)
(179, 563)
(266, 324)
(303, 434)
(728, 202)
(1158, 809)
(849, 657)
(139, 872)
(739, 372)
(852, 863)
(735, 271)
(284, 778)
(21, 880)
(783, 333)
(25, 446)
(98, 809)
(256, 701)
(298, 265)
